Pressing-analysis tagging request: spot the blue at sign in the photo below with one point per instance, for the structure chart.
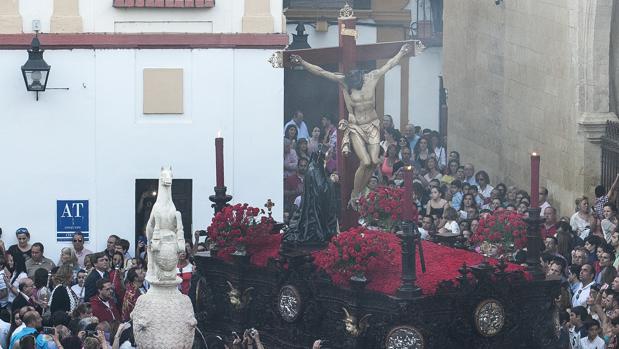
(71, 215)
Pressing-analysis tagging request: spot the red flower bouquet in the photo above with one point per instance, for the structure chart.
(239, 227)
(358, 251)
(505, 229)
(382, 207)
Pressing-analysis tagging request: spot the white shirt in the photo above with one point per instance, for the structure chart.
(303, 133)
(452, 227)
(424, 233)
(543, 206)
(486, 191)
(4, 331)
(598, 343)
(581, 295)
(15, 284)
(79, 291)
(580, 225)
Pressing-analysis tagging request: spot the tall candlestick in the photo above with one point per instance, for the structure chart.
(219, 160)
(409, 209)
(535, 160)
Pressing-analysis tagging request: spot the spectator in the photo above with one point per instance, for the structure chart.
(134, 289)
(24, 298)
(451, 227)
(293, 184)
(297, 121)
(601, 197)
(406, 156)
(580, 221)
(433, 170)
(23, 246)
(484, 187)
(438, 150)
(592, 340)
(124, 337)
(421, 153)
(290, 158)
(314, 141)
(427, 224)
(99, 272)
(456, 193)
(111, 246)
(78, 247)
(450, 172)
(292, 134)
(302, 149)
(409, 133)
(460, 176)
(62, 297)
(608, 272)
(103, 306)
(389, 162)
(37, 260)
(33, 321)
(17, 273)
(609, 223)
(587, 274)
(78, 288)
(123, 246)
(469, 174)
(543, 199)
(436, 204)
(549, 228)
(578, 316)
(185, 271)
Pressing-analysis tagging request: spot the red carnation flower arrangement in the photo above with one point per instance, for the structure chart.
(382, 207)
(239, 227)
(506, 229)
(358, 251)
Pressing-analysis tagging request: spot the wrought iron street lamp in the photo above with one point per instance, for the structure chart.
(35, 70)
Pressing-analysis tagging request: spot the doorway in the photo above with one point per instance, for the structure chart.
(146, 195)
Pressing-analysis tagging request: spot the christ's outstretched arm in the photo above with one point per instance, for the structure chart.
(393, 61)
(316, 70)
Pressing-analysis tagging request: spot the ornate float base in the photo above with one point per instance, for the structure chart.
(163, 318)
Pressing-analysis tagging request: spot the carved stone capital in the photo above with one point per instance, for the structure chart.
(593, 125)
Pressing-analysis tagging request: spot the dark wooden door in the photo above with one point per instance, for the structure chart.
(145, 197)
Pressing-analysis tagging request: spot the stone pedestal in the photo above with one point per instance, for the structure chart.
(163, 318)
(257, 17)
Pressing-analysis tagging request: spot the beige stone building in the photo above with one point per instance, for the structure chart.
(532, 75)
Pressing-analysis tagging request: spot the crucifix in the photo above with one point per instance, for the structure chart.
(360, 132)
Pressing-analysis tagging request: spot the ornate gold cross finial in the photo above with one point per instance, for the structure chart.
(346, 11)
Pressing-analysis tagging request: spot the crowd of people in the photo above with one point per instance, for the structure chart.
(582, 250)
(81, 300)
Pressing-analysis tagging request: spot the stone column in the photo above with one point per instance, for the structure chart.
(10, 19)
(257, 17)
(66, 17)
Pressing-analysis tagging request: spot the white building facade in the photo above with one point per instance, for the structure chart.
(137, 88)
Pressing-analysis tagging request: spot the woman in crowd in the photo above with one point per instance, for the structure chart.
(523, 207)
(403, 143)
(23, 244)
(185, 270)
(468, 201)
(290, 158)
(454, 155)
(609, 223)
(68, 256)
(580, 221)
(421, 152)
(436, 204)
(62, 297)
(314, 141)
(450, 172)
(484, 188)
(16, 271)
(391, 158)
(302, 149)
(292, 133)
(391, 137)
(438, 150)
(433, 170)
(450, 225)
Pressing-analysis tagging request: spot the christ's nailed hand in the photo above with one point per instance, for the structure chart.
(296, 59)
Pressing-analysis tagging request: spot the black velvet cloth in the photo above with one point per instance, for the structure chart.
(315, 222)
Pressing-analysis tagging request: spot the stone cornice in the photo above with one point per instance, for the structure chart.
(593, 125)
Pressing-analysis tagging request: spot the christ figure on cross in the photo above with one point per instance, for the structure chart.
(363, 127)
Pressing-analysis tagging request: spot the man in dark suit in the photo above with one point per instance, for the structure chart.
(99, 272)
(24, 298)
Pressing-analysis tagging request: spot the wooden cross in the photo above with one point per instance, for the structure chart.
(347, 55)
